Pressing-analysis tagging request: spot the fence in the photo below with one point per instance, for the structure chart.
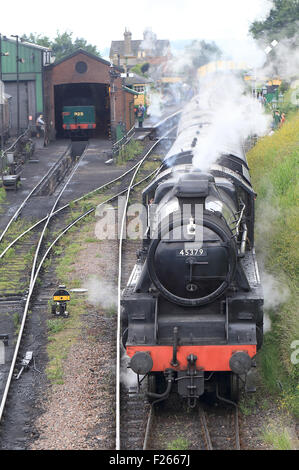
(122, 141)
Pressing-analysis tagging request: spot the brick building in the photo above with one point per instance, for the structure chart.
(130, 52)
(94, 81)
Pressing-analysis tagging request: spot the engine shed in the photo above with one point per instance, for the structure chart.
(84, 79)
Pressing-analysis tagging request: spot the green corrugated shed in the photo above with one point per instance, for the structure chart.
(30, 68)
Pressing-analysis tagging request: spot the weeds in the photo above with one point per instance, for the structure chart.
(274, 164)
(178, 444)
(279, 440)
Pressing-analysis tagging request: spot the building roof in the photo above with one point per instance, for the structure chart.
(88, 54)
(137, 79)
(129, 90)
(26, 43)
(160, 46)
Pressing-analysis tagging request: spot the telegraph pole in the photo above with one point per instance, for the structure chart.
(18, 59)
(2, 99)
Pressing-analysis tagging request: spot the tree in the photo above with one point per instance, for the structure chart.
(202, 52)
(141, 69)
(282, 21)
(35, 38)
(63, 44)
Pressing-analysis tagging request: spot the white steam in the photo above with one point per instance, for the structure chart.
(101, 293)
(276, 292)
(275, 288)
(283, 61)
(127, 377)
(233, 116)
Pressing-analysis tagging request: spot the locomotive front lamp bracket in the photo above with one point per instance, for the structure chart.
(175, 361)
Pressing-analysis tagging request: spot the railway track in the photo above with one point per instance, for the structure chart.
(37, 189)
(49, 224)
(172, 427)
(140, 427)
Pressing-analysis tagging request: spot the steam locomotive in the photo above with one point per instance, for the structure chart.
(192, 311)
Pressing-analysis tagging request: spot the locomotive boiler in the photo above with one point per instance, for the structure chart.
(193, 306)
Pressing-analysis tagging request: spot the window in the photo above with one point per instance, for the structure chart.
(81, 67)
(139, 88)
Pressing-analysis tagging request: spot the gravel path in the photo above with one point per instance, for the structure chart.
(79, 414)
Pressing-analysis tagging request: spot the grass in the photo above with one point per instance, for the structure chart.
(278, 440)
(64, 332)
(2, 195)
(15, 265)
(129, 151)
(178, 444)
(274, 164)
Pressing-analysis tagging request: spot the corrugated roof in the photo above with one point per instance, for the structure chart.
(26, 43)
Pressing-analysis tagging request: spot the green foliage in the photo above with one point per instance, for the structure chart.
(2, 195)
(130, 151)
(279, 440)
(63, 44)
(274, 164)
(178, 444)
(140, 69)
(35, 38)
(55, 325)
(281, 21)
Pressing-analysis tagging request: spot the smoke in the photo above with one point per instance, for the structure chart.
(275, 288)
(127, 377)
(149, 41)
(233, 116)
(154, 110)
(276, 292)
(283, 60)
(101, 293)
(104, 294)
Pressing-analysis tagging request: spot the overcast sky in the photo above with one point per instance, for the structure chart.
(100, 22)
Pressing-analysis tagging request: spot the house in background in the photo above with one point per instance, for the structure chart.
(130, 52)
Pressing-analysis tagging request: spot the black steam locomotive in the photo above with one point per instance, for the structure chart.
(192, 309)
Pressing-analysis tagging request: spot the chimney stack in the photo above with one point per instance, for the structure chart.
(128, 38)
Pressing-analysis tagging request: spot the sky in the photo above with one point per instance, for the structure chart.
(101, 22)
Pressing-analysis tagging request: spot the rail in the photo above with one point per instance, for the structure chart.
(37, 271)
(118, 330)
(33, 279)
(124, 140)
(22, 205)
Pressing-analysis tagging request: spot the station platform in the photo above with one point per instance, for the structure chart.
(152, 121)
(93, 171)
